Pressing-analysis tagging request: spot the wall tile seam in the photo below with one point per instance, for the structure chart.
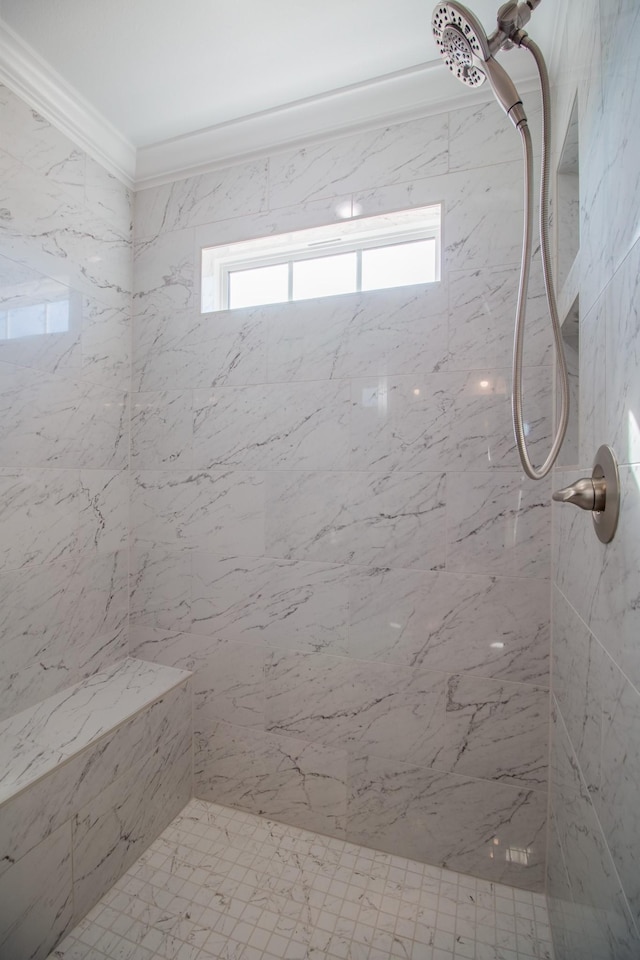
(185, 682)
(439, 197)
(352, 754)
(587, 794)
(358, 378)
(618, 669)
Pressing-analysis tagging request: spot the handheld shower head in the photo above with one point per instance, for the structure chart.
(466, 50)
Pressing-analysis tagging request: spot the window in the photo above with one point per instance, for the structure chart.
(369, 253)
(34, 319)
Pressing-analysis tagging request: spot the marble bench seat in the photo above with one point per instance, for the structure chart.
(88, 777)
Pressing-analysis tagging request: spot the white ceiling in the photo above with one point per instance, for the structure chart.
(160, 69)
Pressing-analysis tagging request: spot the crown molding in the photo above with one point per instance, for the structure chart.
(420, 91)
(424, 90)
(29, 76)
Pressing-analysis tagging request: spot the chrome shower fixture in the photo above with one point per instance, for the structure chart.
(470, 55)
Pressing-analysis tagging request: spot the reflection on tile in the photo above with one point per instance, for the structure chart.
(357, 518)
(440, 621)
(303, 784)
(498, 524)
(452, 421)
(486, 829)
(621, 326)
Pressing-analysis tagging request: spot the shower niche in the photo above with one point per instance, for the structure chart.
(568, 199)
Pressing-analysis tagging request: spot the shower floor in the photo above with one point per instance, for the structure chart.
(223, 884)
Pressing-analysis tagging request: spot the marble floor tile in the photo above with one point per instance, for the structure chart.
(222, 883)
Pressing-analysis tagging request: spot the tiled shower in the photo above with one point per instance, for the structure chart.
(283, 559)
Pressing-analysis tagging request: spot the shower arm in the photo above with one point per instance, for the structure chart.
(522, 39)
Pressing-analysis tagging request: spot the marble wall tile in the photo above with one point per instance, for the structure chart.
(400, 153)
(295, 605)
(286, 779)
(274, 426)
(497, 524)
(592, 372)
(620, 324)
(48, 515)
(357, 518)
(496, 730)
(482, 217)
(218, 195)
(593, 877)
(615, 802)
(446, 421)
(620, 29)
(108, 196)
(577, 672)
(187, 651)
(215, 510)
(106, 345)
(181, 350)
(162, 430)
(387, 710)
(54, 420)
(58, 624)
(36, 906)
(379, 333)
(482, 307)
(599, 580)
(485, 829)
(230, 685)
(112, 830)
(482, 134)
(486, 626)
(40, 146)
(30, 817)
(160, 586)
(62, 238)
(164, 271)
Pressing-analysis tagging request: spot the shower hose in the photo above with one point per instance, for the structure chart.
(518, 346)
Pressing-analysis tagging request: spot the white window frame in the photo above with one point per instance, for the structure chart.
(349, 236)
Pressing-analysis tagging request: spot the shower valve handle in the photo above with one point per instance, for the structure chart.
(589, 494)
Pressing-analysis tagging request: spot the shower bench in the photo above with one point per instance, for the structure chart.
(88, 779)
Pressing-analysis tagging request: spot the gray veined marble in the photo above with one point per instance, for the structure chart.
(482, 828)
(164, 274)
(30, 817)
(36, 905)
(390, 711)
(281, 777)
(288, 604)
(301, 426)
(396, 520)
(216, 510)
(229, 686)
(399, 153)
(499, 524)
(485, 626)
(162, 430)
(160, 586)
(379, 333)
(59, 623)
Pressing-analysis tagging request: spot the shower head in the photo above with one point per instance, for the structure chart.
(468, 52)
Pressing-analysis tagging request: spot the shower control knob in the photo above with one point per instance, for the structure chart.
(588, 494)
(599, 493)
